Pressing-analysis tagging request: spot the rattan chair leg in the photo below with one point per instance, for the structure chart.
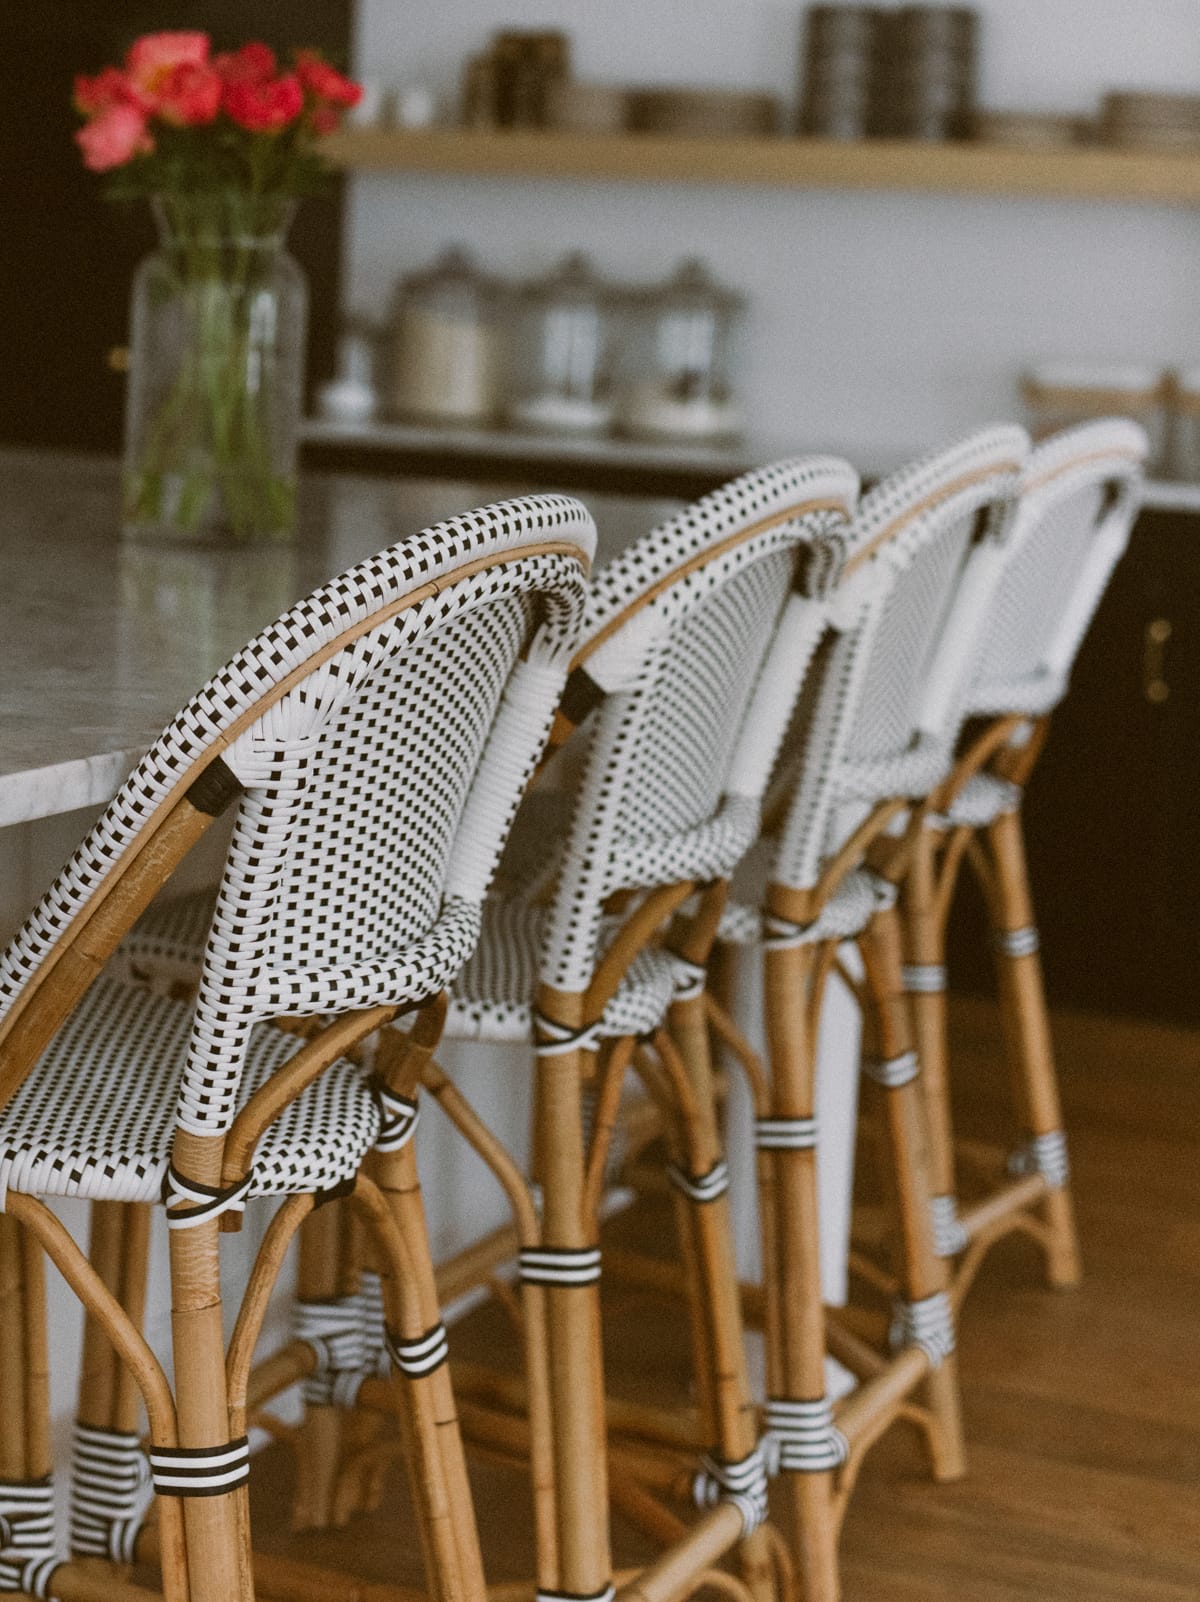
(925, 982)
(926, 1310)
(1030, 1049)
(728, 1412)
(795, 1326)
(395, 1173)
(318, 1440)
(14, 1436)
(569, 1278)
(216, 1526)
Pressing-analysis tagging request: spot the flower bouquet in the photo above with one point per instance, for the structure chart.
(224, 146)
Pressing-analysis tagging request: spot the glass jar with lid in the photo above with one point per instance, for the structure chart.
(680, 383)
(561, 377)
(446, 351)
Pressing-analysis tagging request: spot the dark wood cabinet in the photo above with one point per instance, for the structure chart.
(1113, 809)
(68, 255)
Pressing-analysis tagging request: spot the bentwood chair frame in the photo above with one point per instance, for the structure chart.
(365, 832)
(848, 778)
(675, 632)
(1079, 497)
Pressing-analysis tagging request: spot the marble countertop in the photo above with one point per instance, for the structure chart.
(102, 641)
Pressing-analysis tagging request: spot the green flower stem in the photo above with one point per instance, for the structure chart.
(211, 433)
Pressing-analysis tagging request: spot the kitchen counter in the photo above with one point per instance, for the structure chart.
(102, 641)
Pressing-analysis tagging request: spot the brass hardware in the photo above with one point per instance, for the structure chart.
(117, 359)
(1154, 651)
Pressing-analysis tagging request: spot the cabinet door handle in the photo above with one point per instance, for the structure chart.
(1154, 660)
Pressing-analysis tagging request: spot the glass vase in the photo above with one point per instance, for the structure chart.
(216, 376)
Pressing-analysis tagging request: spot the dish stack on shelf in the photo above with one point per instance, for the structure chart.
(1138, 121)
(840, 89)
(929, 84)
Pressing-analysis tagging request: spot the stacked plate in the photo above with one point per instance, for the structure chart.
(841, 71)
(1151, 121)
(930, 54)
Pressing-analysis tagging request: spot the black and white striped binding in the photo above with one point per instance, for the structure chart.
(552, 1039)
(893, 1072)
(743, 1483)
(206, 1201)
(608, 1594)
(928, 1323)
(335, 1330)
(27, 1556)
(785, 1134)
(690, 978)
(1045, 1155)
(1018, 942)
(802, 1437)
(560, 1265)
(420, 1356)
(398, 1118)
(923, 978)
(200, 1470)
(949, 1236)
(110, 1492)
(780, 933)
(701, 1187)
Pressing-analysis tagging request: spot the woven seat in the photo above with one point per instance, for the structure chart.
(492, 998)
(85, 1125)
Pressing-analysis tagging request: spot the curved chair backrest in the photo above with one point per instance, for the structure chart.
(1079, 497)
(899, 626)
(377, 739)
(675, 633)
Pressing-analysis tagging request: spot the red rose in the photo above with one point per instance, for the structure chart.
(113, 137)
(189, 95)
(264, 107)
(108, 88)
(323, 81)
(253, 63)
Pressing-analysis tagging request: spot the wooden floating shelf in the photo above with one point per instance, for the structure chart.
(1083, 173)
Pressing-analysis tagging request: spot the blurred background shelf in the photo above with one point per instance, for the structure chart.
(595, 462)
(1086, 172)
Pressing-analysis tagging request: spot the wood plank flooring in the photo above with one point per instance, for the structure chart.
(1082, 1408)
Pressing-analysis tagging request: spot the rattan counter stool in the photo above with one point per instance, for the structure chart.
(662, 692)
(1079, 497)
(373, 743)
(841, 812)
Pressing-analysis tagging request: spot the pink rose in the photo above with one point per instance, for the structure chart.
(324, 81)
(189, 94)
(152, 57)
(265, 107)
(253, 63)
(113, 137)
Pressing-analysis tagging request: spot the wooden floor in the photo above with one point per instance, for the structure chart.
(1082, 1409)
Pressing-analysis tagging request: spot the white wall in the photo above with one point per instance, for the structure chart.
(877, 322)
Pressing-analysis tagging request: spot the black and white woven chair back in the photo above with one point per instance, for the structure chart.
(897, 626)
(1079, 498)
(377, 739)
(675, 633)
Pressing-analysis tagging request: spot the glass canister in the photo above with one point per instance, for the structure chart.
(563, 347)
(446, 353)
(679, 384)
